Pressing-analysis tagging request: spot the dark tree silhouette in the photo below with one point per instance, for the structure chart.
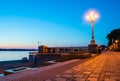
(113, 35)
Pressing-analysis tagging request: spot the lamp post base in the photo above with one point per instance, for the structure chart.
(93, 47)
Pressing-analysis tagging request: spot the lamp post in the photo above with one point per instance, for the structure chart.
(116, 42)
(91, 16)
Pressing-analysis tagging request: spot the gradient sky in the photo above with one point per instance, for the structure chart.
(55, 22)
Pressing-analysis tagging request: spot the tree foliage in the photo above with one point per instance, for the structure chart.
(113, 35)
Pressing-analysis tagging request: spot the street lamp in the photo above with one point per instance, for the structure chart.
(116, 42)
(92, 16)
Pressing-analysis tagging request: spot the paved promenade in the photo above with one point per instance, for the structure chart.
(105, 67)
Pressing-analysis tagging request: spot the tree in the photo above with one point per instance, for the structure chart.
(113, 35)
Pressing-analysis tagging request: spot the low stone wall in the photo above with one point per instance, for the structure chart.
(117, 49)
(75, 56)
(40, 59)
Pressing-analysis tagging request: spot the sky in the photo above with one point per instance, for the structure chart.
(55, 22)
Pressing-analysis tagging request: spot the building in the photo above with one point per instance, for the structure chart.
(53, 53)
(71, 50)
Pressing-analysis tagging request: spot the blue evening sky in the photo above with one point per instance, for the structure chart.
(55, 22)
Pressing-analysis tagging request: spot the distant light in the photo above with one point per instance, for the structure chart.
(116, 41)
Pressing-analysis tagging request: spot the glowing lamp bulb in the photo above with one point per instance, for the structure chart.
(92, 16)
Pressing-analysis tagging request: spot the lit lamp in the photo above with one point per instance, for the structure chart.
(92, 16)
(116, 42)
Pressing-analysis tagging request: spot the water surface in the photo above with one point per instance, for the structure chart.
(13, 55)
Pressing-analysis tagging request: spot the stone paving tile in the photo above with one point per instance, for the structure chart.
(115, 77)
(87, 72)
(92, 79)
(78, 76)
(66, 75)
(94, 76)
(109, 74)
(80, 79)
(68, 71)
(58, 75)
(85, 76)
(48, 80)
(107, 79)
(60, 79)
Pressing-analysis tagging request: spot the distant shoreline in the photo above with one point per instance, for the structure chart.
(18, 49)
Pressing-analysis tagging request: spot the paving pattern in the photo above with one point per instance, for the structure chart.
(42, 73)
(105, 67)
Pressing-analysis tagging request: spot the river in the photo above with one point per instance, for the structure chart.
(13, 55)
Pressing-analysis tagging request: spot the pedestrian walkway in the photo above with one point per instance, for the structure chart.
(42, 73)
(105, 67)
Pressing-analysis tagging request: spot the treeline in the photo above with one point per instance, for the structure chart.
(1, 49)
